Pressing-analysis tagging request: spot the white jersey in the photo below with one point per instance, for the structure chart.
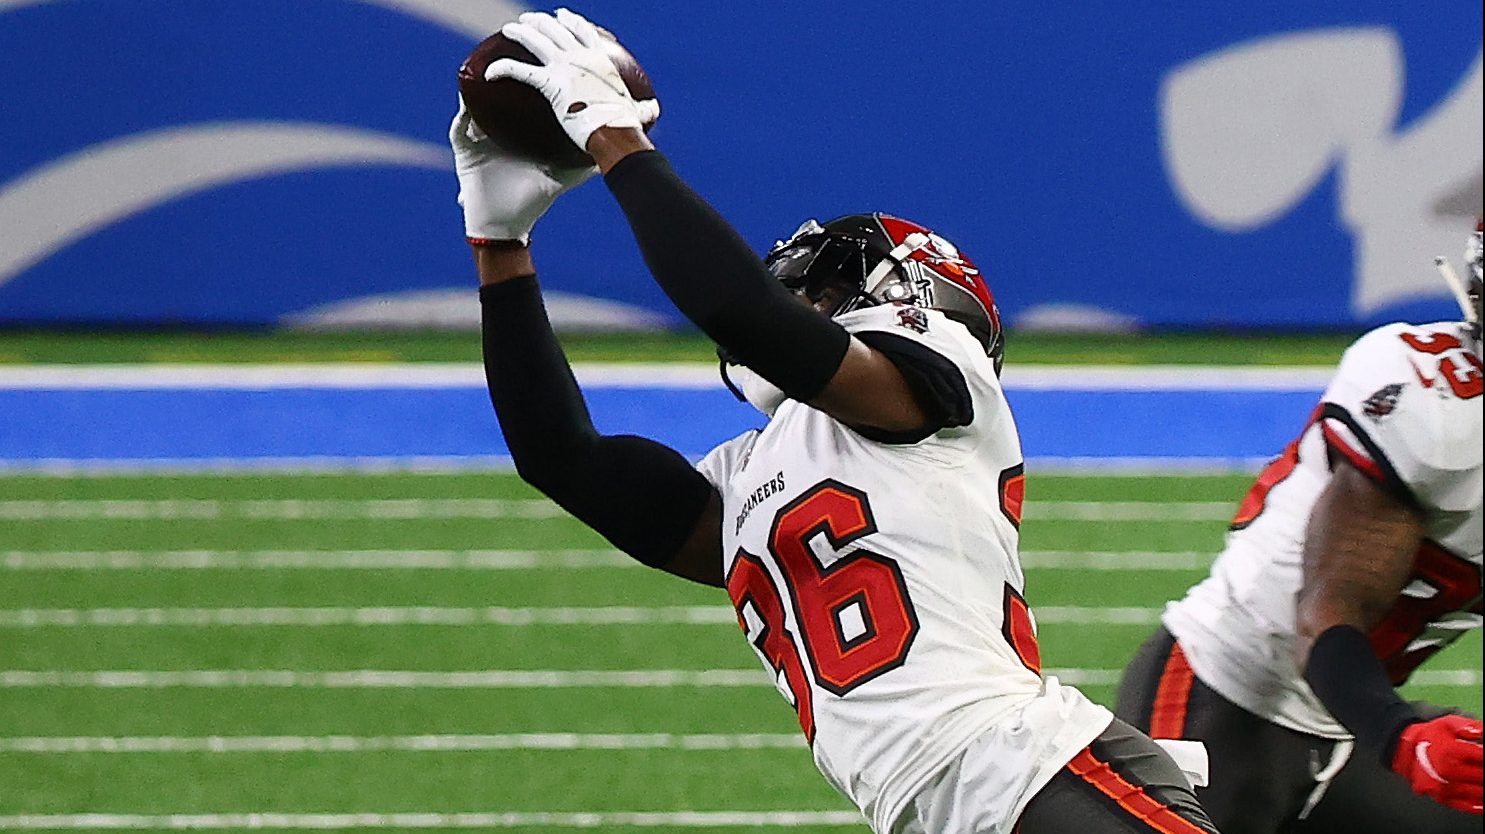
(1405, 408)
(880, 585)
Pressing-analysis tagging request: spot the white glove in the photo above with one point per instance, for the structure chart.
(577, 75)
(503, 195)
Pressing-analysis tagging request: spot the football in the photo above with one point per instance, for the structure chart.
(518, 117)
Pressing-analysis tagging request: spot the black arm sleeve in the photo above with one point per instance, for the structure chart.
(1346, 676)
(937, 384)
(642, 496)
(717, 281)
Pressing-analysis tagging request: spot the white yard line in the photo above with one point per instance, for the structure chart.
(665, 375)
(164, 467)
(480, 560)
(326, 822)
(1137, 466)
(375, 616)
(1301, 378)
(382, 679)
(413, 744)
(1140, 466)
(1117, 560)
(333, 376)
(1222, 511)
(206, 509)
(24, 618)
(1094, 615)
(417, 509)
(499, 679)
(90, 560)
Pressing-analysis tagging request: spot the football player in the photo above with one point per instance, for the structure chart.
(867, 534)
(1353, 559)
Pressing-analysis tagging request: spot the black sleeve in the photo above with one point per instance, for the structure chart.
(720, 284)
(643, 497)
(937, 384)
(1345, 674)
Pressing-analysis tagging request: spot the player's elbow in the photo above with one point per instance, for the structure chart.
(1319, 606)
(548, 474)
(552, 465)
(1308, 626)
(1317, 611)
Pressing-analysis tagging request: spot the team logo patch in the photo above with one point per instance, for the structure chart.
(913, 319)
(1383, 402)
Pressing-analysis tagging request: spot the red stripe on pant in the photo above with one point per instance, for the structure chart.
(1168, 714)
(1130, 797)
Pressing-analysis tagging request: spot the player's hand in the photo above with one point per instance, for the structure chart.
(576, 75)
(502, 195)
(1441, 759)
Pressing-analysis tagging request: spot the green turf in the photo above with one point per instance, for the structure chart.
(204, 712)
(46, 346)
(600, 780)
(582, 780)
(333, 485)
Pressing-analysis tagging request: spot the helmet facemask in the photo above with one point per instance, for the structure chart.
(865, 260)
(1468, 291)
(1474, 254)
(853, 262)
(827, 271)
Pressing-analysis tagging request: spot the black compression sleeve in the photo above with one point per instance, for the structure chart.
(937, 384)
(1344, 673)
(642, 496)
(717, 281)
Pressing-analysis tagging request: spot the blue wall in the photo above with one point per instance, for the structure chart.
(1043, 138)
(240, 427)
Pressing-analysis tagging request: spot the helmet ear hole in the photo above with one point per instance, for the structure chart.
(897, 291)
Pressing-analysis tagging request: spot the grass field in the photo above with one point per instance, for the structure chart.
(1181, 348)
(374, 651)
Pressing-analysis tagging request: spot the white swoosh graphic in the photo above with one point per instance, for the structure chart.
(1247, 132)
(453, 309)
(61, 202)
(476, 18)
(72, 197)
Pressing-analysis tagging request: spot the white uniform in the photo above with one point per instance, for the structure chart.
(874, 581)
(1405, 408)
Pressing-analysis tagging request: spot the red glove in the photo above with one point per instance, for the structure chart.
(1442, 759)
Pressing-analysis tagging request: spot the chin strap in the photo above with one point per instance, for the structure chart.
(857, 301)
(722, 363)
(884, 268)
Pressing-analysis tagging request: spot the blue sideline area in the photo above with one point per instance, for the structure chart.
(1233, 428)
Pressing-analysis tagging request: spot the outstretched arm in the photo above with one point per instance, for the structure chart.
(700, 262)
(721, 285)
(642, 496)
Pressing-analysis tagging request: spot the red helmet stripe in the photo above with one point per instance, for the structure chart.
(953, 266)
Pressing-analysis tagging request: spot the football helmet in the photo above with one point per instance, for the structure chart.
(862, 260)
(1470, 289)
(1474, 251)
